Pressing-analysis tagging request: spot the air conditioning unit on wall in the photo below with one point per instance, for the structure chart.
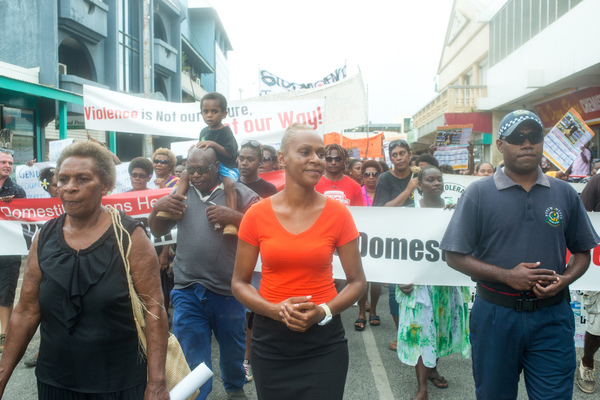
(62, 69)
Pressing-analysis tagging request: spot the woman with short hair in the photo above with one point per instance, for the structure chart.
(269, 159)
(370, 172)
(433, 320)
(140, 172)
(164, 164)
(298, 346)
(48, 181)
(484, 168)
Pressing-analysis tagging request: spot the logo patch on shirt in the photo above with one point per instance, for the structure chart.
(554, 216)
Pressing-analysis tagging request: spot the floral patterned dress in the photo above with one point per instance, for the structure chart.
(434, 322)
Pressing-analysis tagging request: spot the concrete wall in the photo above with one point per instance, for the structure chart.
(564, 48)
(29, 36)
(20, 42)
(469, 47)
(221, 72)
(199, 28)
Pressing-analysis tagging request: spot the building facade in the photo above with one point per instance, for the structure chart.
(137, 47)
(512, 54)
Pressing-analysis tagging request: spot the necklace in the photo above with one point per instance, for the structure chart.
(333, 183)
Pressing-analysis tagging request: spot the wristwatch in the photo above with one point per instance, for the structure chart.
(328, 316)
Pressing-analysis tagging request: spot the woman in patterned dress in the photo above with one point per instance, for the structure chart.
(433, 319)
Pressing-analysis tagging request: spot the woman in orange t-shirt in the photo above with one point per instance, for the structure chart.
(298, 344)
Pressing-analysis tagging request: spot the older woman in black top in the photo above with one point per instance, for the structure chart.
(75, 285)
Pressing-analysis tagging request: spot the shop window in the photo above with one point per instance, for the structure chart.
(22, 124)
(520, 20)
(129, 45)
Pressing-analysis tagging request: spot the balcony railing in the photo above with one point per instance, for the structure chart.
(165, 57)
(86, 19)
(453, 99)
(192, 86)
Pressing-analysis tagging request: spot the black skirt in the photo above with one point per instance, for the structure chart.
(291, 365)
(49, 392)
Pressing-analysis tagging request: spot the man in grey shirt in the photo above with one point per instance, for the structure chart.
(203, 268)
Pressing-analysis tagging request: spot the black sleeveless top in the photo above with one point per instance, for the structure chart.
(88, 336)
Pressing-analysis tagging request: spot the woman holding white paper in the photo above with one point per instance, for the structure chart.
(75, 286)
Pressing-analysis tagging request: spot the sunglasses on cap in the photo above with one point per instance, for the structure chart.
(253, 143)
(200, 170)
(135, 175)
(3, 150)
(517, 138)
(396, 143)
(163, 162)
(332, 159)
(371, 174)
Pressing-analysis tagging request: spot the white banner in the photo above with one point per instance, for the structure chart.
(397, 245)
(263, 121)
(266, 121)
(401, 245)
(270, 83)
(106, 110)
(346, 102)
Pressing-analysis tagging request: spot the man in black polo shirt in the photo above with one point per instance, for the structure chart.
(9, 265)
(510, 233)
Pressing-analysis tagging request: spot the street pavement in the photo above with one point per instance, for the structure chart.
(374, 372)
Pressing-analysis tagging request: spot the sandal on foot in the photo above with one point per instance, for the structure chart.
(360, 321)
(374, 320)
(394, 346)
(440, 383)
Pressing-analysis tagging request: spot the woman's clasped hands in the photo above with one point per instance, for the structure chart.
(299, 313)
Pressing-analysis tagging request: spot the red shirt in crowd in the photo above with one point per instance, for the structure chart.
(345, 190)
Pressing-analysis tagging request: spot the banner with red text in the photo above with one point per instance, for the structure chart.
(107, 110)
(21, 218)
(346, 105)
(266, 121)
(389, 253)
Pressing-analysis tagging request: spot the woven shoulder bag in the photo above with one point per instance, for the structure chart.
(176, 367)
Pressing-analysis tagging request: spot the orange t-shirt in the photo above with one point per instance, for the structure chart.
(297, 265)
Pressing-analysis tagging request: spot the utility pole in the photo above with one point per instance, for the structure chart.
(147, 67)
(368, 122)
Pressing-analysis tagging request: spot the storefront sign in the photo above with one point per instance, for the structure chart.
(586, 102)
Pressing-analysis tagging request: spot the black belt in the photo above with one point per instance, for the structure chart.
(520, 302)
